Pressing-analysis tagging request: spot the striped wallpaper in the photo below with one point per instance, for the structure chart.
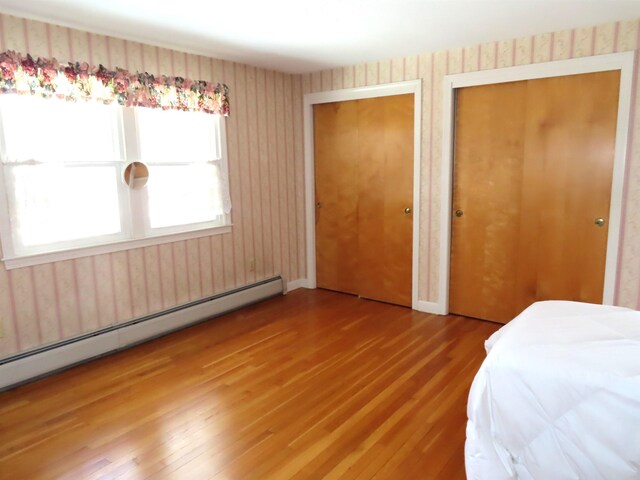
(46, 303)
(431, 68)
(265, 150)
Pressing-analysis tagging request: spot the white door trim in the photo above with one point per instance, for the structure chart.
(384, 90)
(615, 61)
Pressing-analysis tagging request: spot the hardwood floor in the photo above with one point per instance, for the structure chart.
(312, 385)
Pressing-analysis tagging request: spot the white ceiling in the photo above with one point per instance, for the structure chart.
(299, 36)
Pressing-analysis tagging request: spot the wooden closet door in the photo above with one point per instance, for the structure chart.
(569, 152)
(364, 184)
(489, 151)
(336, 172)
(532, 173)
(385, 228)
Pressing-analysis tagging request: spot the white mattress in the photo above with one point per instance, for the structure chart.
(558, 396)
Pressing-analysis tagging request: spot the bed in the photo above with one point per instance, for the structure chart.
(558, 396)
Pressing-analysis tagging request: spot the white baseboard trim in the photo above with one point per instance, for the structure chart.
(28, 366)
(296, 284)
(430, 307)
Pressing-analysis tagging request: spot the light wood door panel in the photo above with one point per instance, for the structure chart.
(533, 170)
(570, 138)
(364, 182)
(487, 185)
(386, 188)
(336, 172)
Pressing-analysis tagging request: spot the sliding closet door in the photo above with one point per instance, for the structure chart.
(532, 186)
(364, 197)
(385, 217)
(569, 151)
(337, 183)
(489, 151)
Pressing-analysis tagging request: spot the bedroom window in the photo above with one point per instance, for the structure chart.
(63, 169)
(182, 151)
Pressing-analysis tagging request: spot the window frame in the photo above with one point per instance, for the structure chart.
(136, 232)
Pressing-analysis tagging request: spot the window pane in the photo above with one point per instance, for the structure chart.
(56, 130)
(176, 136)
(183, 194)
(53, 204)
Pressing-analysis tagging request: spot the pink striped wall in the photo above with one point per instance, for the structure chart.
(46, 303)
(266, 174)
(431, 68)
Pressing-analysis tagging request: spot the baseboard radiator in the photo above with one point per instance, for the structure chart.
(31, 365)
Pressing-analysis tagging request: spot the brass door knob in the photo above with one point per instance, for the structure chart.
(407, 210)
(318, 205)
(600, 221)
(459, 213)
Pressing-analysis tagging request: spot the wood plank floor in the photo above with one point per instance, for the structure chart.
(307, 386)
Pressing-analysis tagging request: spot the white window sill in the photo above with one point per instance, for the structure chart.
(57, 256)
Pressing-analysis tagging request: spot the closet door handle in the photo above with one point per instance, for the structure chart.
(600, 221)
(407, 210)
(459, 213)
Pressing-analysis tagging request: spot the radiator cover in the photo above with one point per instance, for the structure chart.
(28, 366)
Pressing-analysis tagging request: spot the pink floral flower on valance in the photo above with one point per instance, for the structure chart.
(80, 81)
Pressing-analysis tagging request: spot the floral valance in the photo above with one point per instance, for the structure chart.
(81, 81)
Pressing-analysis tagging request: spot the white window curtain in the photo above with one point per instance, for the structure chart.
(184, 153)
(62, 169)
(61, 163)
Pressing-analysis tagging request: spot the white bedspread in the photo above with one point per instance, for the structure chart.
(558, 396)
